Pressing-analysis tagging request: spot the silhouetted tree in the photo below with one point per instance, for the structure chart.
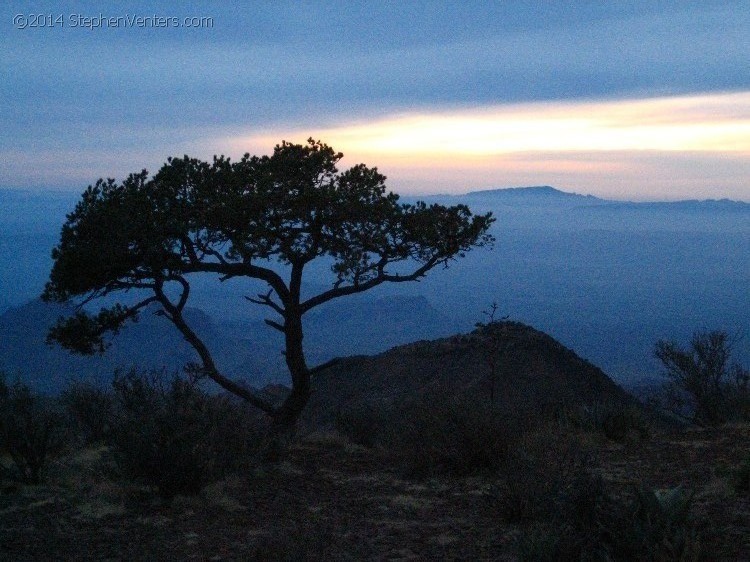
(235, 219)
(715, 386)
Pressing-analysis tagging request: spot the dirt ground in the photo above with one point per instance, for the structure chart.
(330, 500)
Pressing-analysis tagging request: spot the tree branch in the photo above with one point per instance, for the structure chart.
(266, 300)
(241, 269)
(275, 325)
(209, 366)
(187, 245)
(382, 277)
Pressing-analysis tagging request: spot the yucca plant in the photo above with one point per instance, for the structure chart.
(656, 526)
(591, 524)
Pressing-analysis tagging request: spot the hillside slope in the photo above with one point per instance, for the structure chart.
(533, 373)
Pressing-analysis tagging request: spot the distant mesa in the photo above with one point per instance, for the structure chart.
(548, 195)
(535, 194)
(539, 190)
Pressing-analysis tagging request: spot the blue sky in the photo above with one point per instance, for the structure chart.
(629, 100)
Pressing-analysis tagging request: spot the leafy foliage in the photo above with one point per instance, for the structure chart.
(235, 219)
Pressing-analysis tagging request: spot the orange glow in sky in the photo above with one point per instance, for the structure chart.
(608, 143)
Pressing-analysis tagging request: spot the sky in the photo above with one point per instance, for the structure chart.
(625, 100)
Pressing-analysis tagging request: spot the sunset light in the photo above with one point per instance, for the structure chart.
(716, 123)
(629, 101)
(588, 140)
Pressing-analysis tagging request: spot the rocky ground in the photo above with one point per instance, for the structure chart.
(330, 500)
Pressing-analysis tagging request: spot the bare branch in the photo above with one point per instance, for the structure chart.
(217, 255)
(185, 290)
(241, 269)
(266, 300)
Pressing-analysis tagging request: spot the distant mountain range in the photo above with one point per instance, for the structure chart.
(150, 343)
(606, 278)
(246, 351)
(545, 194)
(686, 205)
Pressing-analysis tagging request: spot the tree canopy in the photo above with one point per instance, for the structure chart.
(235, 219)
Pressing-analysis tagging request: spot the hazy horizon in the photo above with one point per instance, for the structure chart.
(77, 190)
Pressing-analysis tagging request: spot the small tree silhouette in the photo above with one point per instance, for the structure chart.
(496, 335)
(705, 374)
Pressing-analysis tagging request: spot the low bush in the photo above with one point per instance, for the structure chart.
(169, 434)
(296, 541)
(740, 478)
(705, 385)
(31, 432)
(536, 473)
(90, 411)
(362, 425)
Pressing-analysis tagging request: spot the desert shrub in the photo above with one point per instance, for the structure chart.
(704, 384)
(654, 525)
(90, 411)
(592, 524)
(737, 392)
(235, 433)
(171, 435)
(620, 424)
(31, 432)
(456, 437)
